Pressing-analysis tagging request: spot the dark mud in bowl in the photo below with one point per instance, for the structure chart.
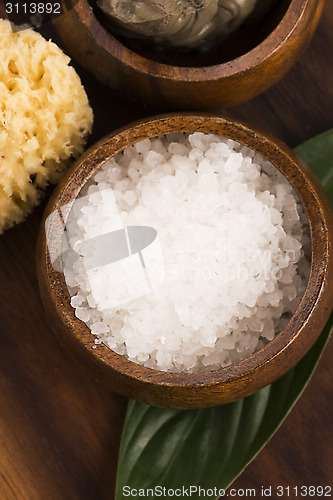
(253, 31)
(246, 64)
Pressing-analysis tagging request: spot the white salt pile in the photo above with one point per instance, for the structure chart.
(230, 262)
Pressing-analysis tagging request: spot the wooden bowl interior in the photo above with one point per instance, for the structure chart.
(241, 378)
(247, 37)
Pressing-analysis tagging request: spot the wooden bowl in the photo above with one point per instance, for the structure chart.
(211, 388)
(241, 67)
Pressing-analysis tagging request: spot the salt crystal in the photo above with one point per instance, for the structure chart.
(82, 313)
(143, 147)
(98, 328)
(176, 148)
(77, 300)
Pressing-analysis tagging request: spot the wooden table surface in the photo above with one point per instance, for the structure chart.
(59, 430)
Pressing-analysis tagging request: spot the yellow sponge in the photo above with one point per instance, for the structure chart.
(44, 119)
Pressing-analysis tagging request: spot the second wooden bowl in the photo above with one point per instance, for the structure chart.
(238, 69)
(189, 390)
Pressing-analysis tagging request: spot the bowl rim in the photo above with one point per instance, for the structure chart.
(287, 348)
(286, 31)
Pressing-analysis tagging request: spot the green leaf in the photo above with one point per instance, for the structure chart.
(318, 154)
(210, 447)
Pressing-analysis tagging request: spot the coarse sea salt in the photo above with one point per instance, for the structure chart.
(226, 271)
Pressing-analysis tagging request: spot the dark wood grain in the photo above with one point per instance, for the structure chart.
(59, 431)
(190, 390)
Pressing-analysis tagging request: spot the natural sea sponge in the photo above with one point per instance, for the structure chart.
(44, 119)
